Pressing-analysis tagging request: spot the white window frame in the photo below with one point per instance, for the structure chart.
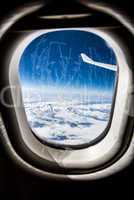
(92, 156)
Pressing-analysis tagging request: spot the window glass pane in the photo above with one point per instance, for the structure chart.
(68, 80)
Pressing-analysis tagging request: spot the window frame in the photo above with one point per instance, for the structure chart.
(97, 154)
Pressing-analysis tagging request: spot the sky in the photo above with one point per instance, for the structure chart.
(53, 59)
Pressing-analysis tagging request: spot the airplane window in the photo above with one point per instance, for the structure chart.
(68, 80)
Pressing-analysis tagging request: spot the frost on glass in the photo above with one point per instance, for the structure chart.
(68, 81)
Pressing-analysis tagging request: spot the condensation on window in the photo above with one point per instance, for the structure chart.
(68, 80)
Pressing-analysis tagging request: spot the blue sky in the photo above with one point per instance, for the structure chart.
(53, 59)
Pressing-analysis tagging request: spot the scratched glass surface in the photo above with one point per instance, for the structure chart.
(68, 80)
